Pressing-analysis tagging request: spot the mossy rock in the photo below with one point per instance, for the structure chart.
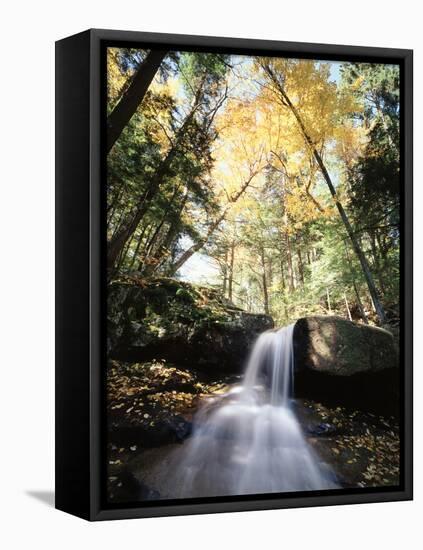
(169, 319)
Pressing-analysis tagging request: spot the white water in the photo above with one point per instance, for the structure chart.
(250, 440)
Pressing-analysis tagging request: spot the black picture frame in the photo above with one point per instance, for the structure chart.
(80, 269)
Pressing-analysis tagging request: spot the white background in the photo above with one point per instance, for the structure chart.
(28, 32)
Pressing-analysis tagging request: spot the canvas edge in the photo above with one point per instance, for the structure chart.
(97, 36)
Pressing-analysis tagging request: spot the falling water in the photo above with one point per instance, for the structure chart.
(249, 440)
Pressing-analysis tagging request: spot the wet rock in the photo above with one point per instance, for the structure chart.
(322, 429)
(125, 487)
(126, 428)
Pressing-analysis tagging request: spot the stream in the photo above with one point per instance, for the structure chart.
(249, 440)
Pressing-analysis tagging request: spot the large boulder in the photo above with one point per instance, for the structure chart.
(336, 346)
(338, 361)
(179, 322)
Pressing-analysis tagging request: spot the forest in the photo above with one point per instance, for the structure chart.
(253, 226)
(275, 181)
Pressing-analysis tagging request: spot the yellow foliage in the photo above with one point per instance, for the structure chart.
(116, 79)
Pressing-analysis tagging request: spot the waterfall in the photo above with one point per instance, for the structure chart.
(250, 441)
(272, 358)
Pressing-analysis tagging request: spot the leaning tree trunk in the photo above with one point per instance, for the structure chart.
(172, 232)
(117, 243)
(150, 268)
(196, 247)
(119, 240)
(128, 104)
(357, 249)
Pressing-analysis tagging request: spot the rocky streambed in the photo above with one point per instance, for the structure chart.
(150, 417)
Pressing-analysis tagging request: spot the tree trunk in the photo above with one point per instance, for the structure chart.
(376, 262)
(172, 231)
(137, 249)
(357, 294)
(114, 204)
(116, 244)
(360, 255)
(150, 255)
(328, 301)
(300, 266)
(225, 273)
(125, 251)
(231, 271)
(289, 263)
(383, 246)
(131, 99)
(283, 287)
(117, 225)
(118, 241)
(152, 266)
(282, 275)
(348, 307)
(360, 304)
(270, 272)
(308, 258)
(141, 263)
(264, 282)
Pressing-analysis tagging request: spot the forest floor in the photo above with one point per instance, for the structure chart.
(150, 412)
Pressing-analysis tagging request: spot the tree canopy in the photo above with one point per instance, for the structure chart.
(274, 180)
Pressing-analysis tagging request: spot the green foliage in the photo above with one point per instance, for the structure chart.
(185, 296)
(205, 68)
